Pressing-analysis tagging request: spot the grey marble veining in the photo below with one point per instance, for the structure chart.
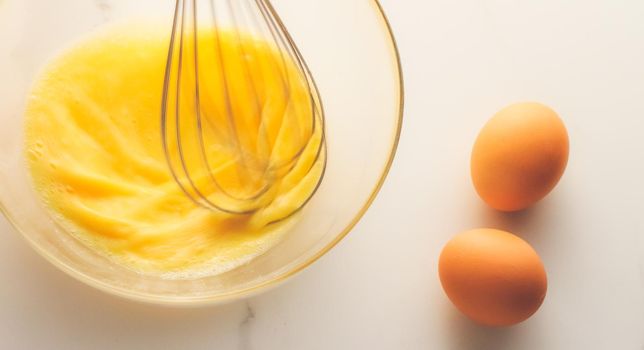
(245, 328)
(105, 8)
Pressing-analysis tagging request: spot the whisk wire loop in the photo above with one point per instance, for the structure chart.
(201, 109)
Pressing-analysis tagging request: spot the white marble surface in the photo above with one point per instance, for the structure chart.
(379, 288)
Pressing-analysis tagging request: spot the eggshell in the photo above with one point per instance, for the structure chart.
(519, 156)
(493, 277)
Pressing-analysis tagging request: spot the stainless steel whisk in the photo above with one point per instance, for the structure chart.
(190, 121)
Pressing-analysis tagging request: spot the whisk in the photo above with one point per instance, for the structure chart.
(240, 109)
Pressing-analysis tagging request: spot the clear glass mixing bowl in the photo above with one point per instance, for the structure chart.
(352, 54)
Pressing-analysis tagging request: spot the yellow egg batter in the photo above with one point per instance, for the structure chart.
(94, 149)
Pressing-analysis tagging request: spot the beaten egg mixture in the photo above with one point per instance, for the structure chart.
(94, 150)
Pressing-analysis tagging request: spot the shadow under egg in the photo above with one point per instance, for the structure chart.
(464, 334)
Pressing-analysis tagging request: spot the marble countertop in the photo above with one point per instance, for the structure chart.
(378, 289)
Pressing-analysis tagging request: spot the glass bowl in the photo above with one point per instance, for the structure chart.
(352, 54)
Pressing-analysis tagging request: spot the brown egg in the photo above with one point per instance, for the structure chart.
(493, 277)
(519, 156)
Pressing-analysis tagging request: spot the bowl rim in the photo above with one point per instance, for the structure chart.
(277, 280)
